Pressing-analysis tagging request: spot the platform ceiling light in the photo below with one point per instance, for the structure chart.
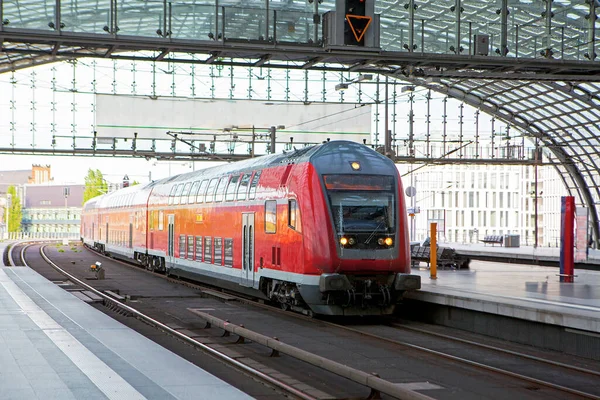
(341, 86)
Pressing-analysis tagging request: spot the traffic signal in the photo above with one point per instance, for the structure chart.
(355, 7)
(356, 22)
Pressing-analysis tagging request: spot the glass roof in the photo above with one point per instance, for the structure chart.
(562, 114)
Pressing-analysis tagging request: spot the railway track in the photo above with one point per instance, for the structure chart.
(375, 384)
(534, 381)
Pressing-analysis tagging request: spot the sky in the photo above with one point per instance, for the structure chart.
(73, 170)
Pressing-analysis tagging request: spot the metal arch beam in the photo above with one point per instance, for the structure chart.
(556, 149)
(428, 64)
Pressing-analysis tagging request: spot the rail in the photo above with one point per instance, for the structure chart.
(360, 377)
(293, 391)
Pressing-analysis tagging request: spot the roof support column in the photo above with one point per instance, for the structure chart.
(457, 8)
(504, 28)
(548, 16)
(591, 17)
(57, 25)
(411, 26)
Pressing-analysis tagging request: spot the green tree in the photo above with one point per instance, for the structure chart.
(15, 213)
(95, 185)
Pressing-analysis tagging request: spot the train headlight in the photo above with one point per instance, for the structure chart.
(389, 241)
(355, 165)
(343, 241)
(380, 241)
(351, 241)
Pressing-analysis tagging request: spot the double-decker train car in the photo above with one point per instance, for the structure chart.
(321, 229)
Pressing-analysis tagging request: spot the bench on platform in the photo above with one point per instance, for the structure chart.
(493, 239)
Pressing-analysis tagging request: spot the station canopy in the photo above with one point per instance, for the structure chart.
(554, 106)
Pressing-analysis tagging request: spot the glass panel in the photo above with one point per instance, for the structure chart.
(185, 193)
(243, 187)
(221, 189)
(208, 250)
(254, 185)
(202, 191)
(230, 195)
(178, 193)
(190, 247)
(198, 248)
(193, 192)
(218, 251)
(211, 190)
(229, 252)
(270, 216)
(182, 246)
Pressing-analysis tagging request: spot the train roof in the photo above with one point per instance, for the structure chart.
(326, 156)
(341, 148)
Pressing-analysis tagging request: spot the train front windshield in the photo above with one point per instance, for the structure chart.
(362, 203)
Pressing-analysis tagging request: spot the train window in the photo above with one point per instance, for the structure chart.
(221, 189)
(172, 194)
(270, 216)
(177, 198)
(207, 249)
(228, 250)
(161, 220)
(202, 191)
(193, 192)
(253, 185)
(182, 246)
(190, 247)
(198, 248)
(185, 193)
(211, 190)
(230, 193)
(292, 213)
(151, 220)
(242, 191)
(218, 251)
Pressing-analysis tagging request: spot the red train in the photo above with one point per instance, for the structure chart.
(322, 229)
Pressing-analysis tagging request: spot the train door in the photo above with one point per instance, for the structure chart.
(171, 238)
(247, 250)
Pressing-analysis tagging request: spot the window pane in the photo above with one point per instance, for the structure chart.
(211, 190)
(190, 248)
(230, 194)
(207, 250)
(185, 193)
(221, 189)
(254, 185)
(218, 251)
(271, 216)
(292, 206)
(181, 246)
(229, 252)
(202, 191)
(198, 248)
(243, 187)
(178, 193)
(172, 194)
(193, 192)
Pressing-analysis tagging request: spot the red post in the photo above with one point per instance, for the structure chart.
(567, 234)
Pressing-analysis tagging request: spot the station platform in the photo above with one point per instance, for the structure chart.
(523, 254)
(55, 346)
(528, 292)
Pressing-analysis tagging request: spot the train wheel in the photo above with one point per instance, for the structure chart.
(284, 306)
